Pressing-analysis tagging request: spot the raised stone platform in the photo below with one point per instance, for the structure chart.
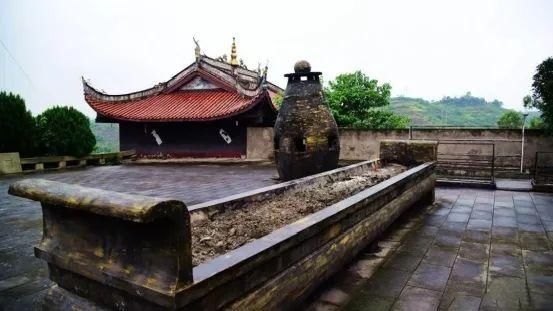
(514, 215)
(24, 278)
(118, 250)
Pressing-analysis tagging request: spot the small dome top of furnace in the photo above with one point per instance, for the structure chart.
(302, 66)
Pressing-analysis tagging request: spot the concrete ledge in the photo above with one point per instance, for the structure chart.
(409, 152)
(38, 164)
(199, 161)
(95, 239)
(10, 163)
(292, 285)
(240, 199)
(524, 185)
(136, 208)
(465, 183)
(538, 187)
(107, 259)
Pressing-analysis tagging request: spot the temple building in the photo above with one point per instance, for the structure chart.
(202, 111)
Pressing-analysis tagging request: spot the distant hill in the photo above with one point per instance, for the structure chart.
(107, 136)
(453, 111)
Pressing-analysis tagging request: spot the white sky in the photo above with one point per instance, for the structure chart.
(423, 49)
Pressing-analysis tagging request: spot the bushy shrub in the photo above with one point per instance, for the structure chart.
(359, 101)
(510, 120)
(536, 123)
(17, 126)
(65, 131)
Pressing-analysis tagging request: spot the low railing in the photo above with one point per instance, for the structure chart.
(466, 166)
(507, 156)
(37, 164)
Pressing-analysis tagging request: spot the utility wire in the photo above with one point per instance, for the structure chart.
(18, 65)
(31, 83)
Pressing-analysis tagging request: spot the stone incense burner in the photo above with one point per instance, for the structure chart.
(306, 135)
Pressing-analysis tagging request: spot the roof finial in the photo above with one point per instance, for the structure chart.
(266, 69)
(197, 49)
(233, 55)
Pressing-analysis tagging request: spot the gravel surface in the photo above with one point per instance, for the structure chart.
(229, 230)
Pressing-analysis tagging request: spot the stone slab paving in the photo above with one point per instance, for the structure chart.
(472, 250)
(23, 278)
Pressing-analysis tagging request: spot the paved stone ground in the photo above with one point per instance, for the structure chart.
(472, 250)
(23, 278)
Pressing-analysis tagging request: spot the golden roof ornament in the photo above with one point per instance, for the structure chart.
(233, 55)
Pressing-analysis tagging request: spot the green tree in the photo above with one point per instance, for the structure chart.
(277, 100)
(358, 101)
(65, 131)
(510, 120)
(536, 123)
(17, 126)
(542, 88)
(527, 101)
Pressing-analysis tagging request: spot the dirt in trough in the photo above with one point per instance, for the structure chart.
(229, 230)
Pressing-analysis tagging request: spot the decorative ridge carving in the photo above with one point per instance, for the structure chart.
(247, 82)
(91, 91)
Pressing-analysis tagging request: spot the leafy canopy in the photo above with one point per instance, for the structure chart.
(358, 101)
(17, 126)
(542, 88)
(65, 131)
(277, 100)
(510, 120)
(536, 123)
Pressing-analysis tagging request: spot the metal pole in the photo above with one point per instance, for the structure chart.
(522, 145)
(536, 166)
(493, 163)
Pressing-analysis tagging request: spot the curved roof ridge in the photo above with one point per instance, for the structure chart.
(214, 69)
(207, 105)
(91, 91)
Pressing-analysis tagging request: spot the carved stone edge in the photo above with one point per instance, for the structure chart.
(134, 208)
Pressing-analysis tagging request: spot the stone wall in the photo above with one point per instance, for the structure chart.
(260, 143)
(364, 144)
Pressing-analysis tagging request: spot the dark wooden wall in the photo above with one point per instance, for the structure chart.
(184, 139)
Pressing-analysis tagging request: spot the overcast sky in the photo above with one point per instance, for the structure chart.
(423, 49)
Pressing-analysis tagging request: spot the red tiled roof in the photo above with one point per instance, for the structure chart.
(178, 106)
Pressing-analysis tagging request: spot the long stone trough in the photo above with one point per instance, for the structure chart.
(128, 252)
